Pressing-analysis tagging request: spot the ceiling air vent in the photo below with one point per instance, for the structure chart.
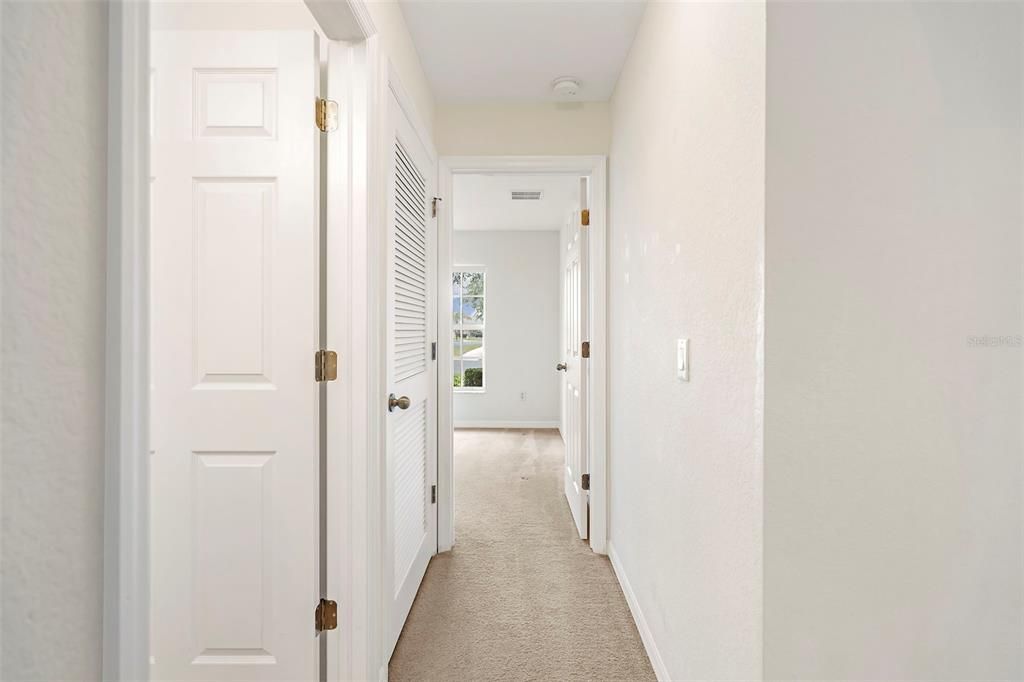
(526, 195)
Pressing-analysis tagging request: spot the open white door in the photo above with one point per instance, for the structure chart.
(410, 536)
(235, 268)
(574, 383)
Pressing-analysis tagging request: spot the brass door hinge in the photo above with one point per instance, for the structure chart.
(585, 217)
(326, 615)
(325, 365)
(585, 350)
(433, 206)
(326, 115)
(433, 494)
(585, 481)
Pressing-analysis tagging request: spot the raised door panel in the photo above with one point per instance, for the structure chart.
(234, 223)
(233, 556)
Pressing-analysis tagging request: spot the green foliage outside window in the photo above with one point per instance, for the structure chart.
(474, 377)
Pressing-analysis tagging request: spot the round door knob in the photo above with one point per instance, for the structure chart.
(561, 367)
(401, 403)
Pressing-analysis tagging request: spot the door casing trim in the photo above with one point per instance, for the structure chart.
(126, 457)
(597, 423)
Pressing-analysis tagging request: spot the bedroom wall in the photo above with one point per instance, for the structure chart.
(521, 338)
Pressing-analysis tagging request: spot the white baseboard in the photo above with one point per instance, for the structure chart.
(488, 424)
(638, 617)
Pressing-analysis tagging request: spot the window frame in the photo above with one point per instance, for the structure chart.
(459, 327)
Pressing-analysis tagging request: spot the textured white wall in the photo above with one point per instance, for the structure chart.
(685, 259)
(893, 447)
(398, 47)
(521, 337)
(500, 128)
(54, 225)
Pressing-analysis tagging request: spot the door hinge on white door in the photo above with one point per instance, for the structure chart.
(325, 365)
(585, 481)
(433, 350)
(326, 115)
(433, 206)
(585, 217)
(585, 349)
(433, 494)
(326, 615)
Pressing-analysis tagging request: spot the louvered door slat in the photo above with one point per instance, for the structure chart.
(410, 274)
(410, 512)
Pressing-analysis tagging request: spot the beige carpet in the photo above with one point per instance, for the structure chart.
(521, 597)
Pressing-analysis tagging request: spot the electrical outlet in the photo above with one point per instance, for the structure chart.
(522, 396)
(683, 359)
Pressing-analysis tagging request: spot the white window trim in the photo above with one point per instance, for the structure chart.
(474, 390)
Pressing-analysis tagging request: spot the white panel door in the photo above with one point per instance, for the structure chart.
(235, 288)
(411, 447)
(574, 392)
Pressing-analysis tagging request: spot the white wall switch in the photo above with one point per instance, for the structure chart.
(683, 359)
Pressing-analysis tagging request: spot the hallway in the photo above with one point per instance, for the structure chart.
(521, 597)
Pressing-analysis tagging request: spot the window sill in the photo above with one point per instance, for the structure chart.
(470, 390)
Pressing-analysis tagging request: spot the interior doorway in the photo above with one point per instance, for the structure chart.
(505, 298)
(516, 281)
(516, 242)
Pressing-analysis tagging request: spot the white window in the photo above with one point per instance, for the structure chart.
(468, 292)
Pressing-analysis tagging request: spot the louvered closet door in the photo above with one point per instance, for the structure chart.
(411, 528)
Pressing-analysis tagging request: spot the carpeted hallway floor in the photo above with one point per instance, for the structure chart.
(521, 597)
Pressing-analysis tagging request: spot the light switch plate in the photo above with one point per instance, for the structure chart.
(683, 359)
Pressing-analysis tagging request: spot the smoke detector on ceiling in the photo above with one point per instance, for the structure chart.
(566, 87)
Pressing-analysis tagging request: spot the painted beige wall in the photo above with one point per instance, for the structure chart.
(685, 260)
(893, 450)
(522, 327)
(54, 241)
(509, 128)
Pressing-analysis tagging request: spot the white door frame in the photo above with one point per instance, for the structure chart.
(596, 168)
(126, 460)
(126, 574)
(353, 463)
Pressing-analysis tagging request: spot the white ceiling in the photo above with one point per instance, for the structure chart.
(513, 50)
(483, 202)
